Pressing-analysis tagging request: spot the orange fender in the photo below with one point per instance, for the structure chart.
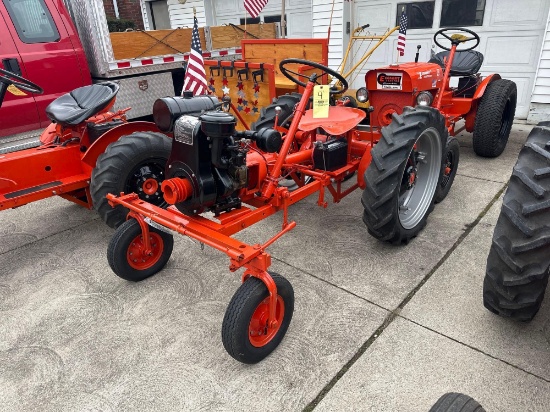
(470, 117)
(112, 135)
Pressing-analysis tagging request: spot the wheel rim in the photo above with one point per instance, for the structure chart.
(258, 332)
(136, 256)
(145, 180)
(420, 179)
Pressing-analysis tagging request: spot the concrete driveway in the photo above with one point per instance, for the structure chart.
(375, 327)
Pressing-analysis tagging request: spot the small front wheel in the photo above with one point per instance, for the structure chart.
(448, 172)
(128, 257)
(245, 333)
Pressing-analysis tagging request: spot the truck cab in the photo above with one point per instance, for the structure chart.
(39, 42)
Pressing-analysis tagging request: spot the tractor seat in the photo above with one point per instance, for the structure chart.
(465, 63)
(74, 107)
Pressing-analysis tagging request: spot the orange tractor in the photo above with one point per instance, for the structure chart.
(220, 181)
(85, 153)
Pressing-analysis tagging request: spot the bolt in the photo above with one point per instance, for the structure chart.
(54, 192)
(131, 253)
(135, 260)
(156, 193)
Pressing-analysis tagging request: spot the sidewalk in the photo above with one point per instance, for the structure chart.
(375, 327)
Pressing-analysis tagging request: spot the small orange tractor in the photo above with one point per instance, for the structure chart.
(85, 153)
(220, 181)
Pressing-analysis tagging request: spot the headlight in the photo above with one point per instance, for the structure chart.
(424, 99)
(362, 95)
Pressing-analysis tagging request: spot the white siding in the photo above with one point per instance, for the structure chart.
(541, 90)
(321, 11)
(298, 13)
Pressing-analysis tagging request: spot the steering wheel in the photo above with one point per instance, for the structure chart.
(456, 41)
(8, 78)
(324, 69)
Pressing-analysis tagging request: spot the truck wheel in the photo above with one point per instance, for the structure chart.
(245, 335)
(494, 118)
(456, 402)
(267, 114)
(133, 164)
(518, 263)
(402, 177)
(448, 173)
(127, 256)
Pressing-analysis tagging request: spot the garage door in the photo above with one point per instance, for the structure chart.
(511, 34)
(298, 15)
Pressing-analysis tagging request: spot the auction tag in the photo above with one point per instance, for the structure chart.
(321, 94)
(15, 91)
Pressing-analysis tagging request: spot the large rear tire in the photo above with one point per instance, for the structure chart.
(494, 118)
(402, 177)
(518, 263)
(456, 402)
(133, 164)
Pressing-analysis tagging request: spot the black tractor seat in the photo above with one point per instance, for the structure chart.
(465, 63)
(74, 107)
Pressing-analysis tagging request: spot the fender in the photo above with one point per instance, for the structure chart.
(483, 85)
(470, 117)
(100, 145)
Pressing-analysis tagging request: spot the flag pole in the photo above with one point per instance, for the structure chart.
(283, 20)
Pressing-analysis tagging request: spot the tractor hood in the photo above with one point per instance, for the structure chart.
(405, 77)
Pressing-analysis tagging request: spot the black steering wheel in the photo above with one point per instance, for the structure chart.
(325, 70)
(9, 78)
(456, 42)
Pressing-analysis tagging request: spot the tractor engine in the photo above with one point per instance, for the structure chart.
(392, 88)
(216, 160)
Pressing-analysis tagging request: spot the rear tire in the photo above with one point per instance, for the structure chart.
(134, 163)
(244, 313)
(456, 402)
(494, 118)
(518, 263)
(402, 177)
(125, 251)
(451, 157)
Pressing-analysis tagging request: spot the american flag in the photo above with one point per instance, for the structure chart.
(195, 75)
(254, 7)
(402, 33)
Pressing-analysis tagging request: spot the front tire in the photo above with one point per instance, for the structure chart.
(126, 252)
(402, 177)
(494, 118)
(451, 157)
(518, 263)
(244, 333)
(133, 164)
(456, 402)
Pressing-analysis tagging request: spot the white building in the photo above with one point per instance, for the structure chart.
(515, 37)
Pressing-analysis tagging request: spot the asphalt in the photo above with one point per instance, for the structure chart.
(375, 327)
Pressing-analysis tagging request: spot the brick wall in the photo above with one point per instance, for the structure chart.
(127, 9)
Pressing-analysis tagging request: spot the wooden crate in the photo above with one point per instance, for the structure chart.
(230, 36)
(140, 44)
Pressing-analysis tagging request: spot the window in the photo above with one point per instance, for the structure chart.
(32, 20)
(420, 15)
(462, 13)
